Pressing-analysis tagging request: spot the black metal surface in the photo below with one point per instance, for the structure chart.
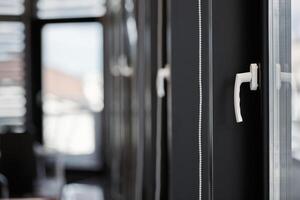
(207, 100)
(148, 41)
(265, 95)
(28, 62)
(70, 20)
(237, 148)
(10, 18)
(36, 80)
(184, 174)
(233, 154)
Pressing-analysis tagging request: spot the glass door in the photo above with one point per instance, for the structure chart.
(284, 77)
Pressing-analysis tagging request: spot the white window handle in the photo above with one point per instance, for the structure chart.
(162, 75)
(247, 77)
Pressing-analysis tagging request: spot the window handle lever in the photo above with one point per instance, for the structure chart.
(162, 75)
(240, 78)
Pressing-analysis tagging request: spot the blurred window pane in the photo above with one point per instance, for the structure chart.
(12, 77)
(70, 8)
(296, 81)
(11, 7)
(72, 86)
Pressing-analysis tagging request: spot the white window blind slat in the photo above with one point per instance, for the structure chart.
(12, 76)
(70, 8)
(11, 7)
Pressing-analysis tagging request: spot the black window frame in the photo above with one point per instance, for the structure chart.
(72, 163)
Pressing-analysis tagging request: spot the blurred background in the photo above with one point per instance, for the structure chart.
(80, 117)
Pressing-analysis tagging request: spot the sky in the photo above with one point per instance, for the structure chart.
(76, 49)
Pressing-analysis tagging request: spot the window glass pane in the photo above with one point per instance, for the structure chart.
(296, 73)
(282, 90)
(70, 8)
(12, 81)
(295, 102)
(11, 7)
(72, 86)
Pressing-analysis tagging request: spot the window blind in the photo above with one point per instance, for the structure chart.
(12, 77)
(70, 8)
(11, 7)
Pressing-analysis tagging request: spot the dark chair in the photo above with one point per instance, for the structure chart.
(17, 162)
